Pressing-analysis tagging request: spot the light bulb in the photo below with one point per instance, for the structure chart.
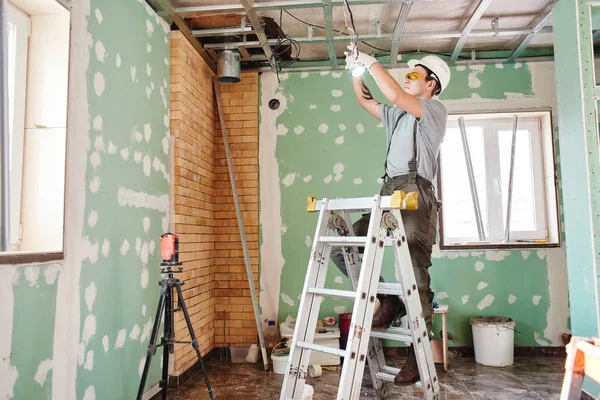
(357, 70)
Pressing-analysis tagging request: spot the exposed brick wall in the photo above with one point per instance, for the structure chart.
(234, 314)
(216, 288)
(193, 132)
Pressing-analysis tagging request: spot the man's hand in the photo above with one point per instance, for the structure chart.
(354, 58)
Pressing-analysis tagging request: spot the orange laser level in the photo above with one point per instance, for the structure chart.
(169, 248)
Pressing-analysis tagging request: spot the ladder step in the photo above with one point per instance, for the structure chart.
(390, 288)
(322, 349)
(400, 334)
(386, 377)
(344, 240)
(334, 293)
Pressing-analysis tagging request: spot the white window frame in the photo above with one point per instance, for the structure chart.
(20, 24)
(542, 150)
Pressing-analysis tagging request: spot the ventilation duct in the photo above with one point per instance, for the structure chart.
(228, 66)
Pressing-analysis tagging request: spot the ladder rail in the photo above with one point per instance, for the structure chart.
(297, 366)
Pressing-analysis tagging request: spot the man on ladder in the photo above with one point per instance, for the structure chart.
(415, 126)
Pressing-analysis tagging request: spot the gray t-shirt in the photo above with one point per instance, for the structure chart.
(431, 128)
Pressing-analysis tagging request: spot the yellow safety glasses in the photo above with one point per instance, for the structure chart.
(413, 76)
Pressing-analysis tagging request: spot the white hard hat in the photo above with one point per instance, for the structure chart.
(435, 65)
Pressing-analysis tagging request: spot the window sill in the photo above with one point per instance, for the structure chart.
(30, 258)
(498, 246)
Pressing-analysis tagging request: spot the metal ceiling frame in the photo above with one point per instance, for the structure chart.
(534, 31)
(250, 9)
(481, 7)
(397, 33)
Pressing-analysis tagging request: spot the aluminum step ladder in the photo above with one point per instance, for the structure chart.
(385, 230)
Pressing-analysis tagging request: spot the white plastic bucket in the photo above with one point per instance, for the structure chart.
(493, 339)
(279, 362)
(307, 393)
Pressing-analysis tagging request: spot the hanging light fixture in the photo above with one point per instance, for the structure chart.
(229, 66)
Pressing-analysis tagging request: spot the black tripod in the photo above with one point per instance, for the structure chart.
(165, 303)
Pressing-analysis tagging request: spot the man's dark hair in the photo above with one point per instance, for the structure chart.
(431, 76)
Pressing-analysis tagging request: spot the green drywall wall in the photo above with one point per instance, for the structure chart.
(327, 146)
(126, 196)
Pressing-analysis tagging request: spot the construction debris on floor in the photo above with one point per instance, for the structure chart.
(527, 379)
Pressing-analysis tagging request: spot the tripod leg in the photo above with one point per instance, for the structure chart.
(167, 334)
(193, 337)
(152, 346)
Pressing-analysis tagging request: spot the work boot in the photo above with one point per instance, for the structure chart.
(409, 373)
(391, 307)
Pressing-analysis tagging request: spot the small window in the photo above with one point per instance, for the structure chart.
(38, 65)
(489, 141)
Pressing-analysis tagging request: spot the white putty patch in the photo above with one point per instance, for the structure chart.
(99, 84)
(360, 128)
(149, 48)
(379, 180)
(42, 372)
(97, 123)
(90, 393)
(339, 279)
(32, 274)
(81, 354)
(105, 344)
(541, 254)
(323, 128)
(89, 250)
(339, 140)
(50, 273)
(144, 253)
(525, 254)
(89, 328)
(481, 285)
(474, 81)
(124, 247)
(121, 336)
(149, 27)
(499, 65)
(289, 179)
(147, 330)
(165, 144)
(339, 309)
(442, 295)
(328, 179)
(541, 341)
(298, 130)
(324, 73)
(304, 75)
(147, 165)
(308, 241)
(133, 71)
(536, 300)
(460, 67)
(99, 17)
(357, 181)
(465, 299)
(335, 108)
(338, 168)
(307, 178)
(95, 160)
(284, 229)
(112, 149)
(125, 153)
(337, 93)
(144, 310)
(151, 246)
(342, 127)
(496, 255)
(89, 361)
(312, 107)
(479, 266)
(147, 132)
(518, 65)
(95, 184)
(92, 218)
(336, 75)
(287, 299)
(128, 197)
(144, 279)
(148, 69)
(146, 223)
(486, 302)
(100, 51)
(90, 296)
(135, 332)
(105, 247)
(281, 130)
(118, 61)
(512, 299)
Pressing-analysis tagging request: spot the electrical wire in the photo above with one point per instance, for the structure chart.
(284, 44)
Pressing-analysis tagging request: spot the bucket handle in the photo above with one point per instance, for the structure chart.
(273, 351)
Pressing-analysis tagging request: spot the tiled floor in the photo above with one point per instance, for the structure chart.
(528, 378)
